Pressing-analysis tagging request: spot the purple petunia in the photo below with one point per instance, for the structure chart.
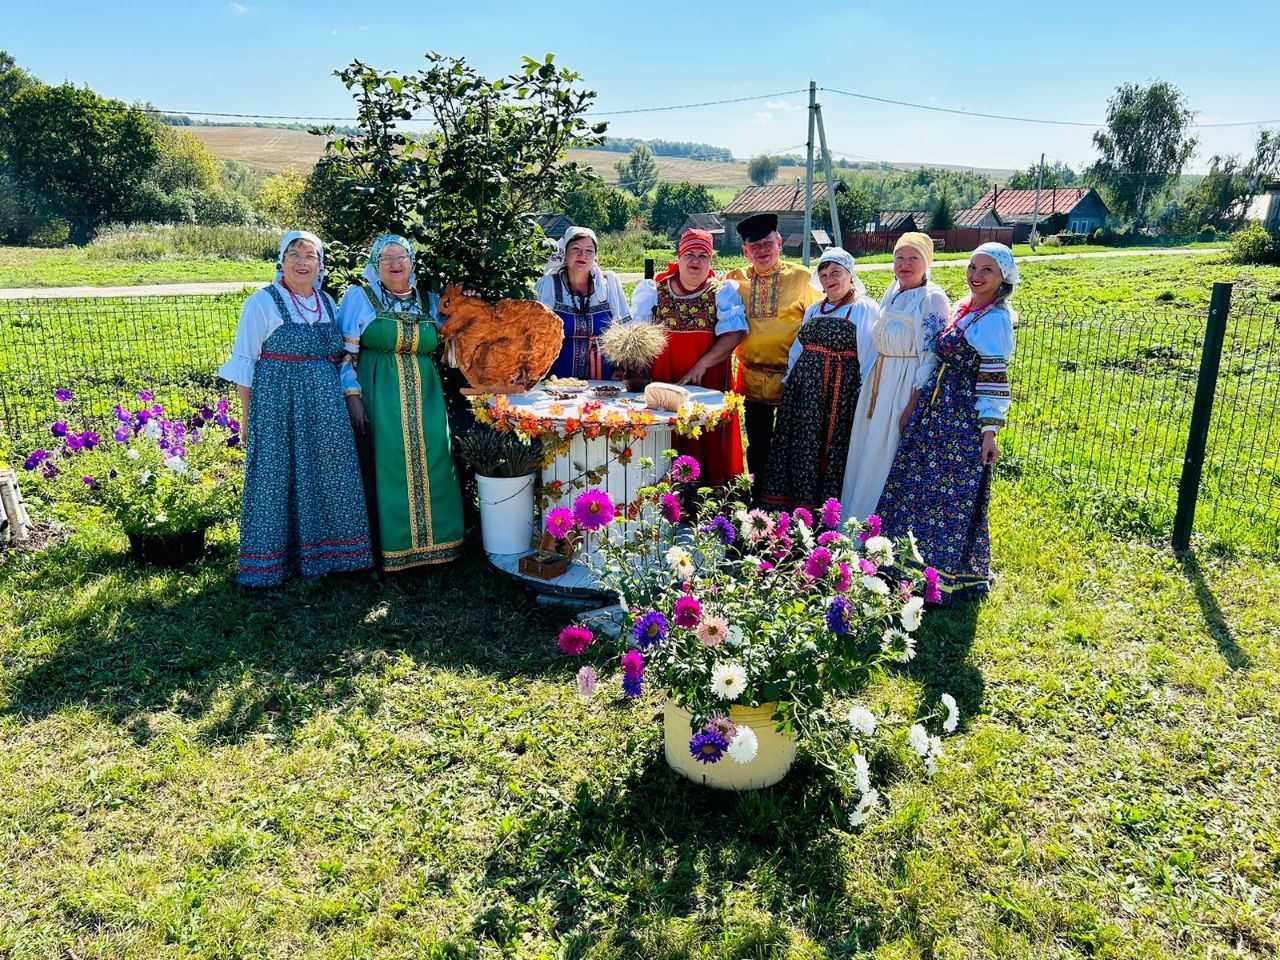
(233, 440)
(593, 509)
(49, 472)
(831, 513)
(62, 396)
(123, 415)
(685, 469)
(708, 746)
(145, 396)
(839, 616)
(721, 527)
(688, 611)
(650, 629)
(670, 507)
(819, 563)
(91, 483)
(121, 434)
(36, 458)
(59, 429)
(559, 522)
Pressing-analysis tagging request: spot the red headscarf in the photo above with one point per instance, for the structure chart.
(691, 239)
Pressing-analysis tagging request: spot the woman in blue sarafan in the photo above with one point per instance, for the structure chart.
(587, 299)
(303, 511)
(939, 486)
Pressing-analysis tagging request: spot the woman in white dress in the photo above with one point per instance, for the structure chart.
(912, 312)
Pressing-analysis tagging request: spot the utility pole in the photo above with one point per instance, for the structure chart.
(1035, 216)
(838, 238)
(808, 174)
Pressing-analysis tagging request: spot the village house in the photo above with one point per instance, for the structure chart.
(787, 201)
(1062, 210)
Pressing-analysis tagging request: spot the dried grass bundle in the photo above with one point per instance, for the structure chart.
(633, 346)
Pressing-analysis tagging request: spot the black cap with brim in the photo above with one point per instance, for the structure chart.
(757, 227)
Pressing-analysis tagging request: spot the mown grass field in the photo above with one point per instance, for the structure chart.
(75, 267)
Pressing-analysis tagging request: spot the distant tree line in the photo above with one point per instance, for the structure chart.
(668, 148)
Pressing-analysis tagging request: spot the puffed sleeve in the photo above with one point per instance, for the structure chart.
(545, 290)
(355, 313)
(865, 319)
(935, 311)
(258, 320)
(644, 301)
(992, 337)
(617, 298)
(731, 312)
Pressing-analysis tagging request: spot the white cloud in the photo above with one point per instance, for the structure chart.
(783, 105)
(239, 8)
(762, 116)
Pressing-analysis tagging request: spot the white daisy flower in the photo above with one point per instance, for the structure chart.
(862, 774)
(875, 585)
(918, 738)
(912, 613)
(745, 745)
(132, 454)
(680, 562)
(953, 713)
(728, 680)
(898, 644)
(735, 637)
(862, 720)
(862, 813)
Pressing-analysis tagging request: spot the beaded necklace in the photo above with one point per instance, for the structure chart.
(303, 309)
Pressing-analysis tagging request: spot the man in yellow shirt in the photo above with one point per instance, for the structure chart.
(776, 295)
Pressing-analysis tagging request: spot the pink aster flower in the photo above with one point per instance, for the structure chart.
(587, 681)
(633, 663)
(765, 566)
(932, 593)
(819, 563)
(712, 631)
(559, 522)
(593, 509)
(829, 536)
(801, 515)
(831, 513)
(757, 525)
(904, 590)
(687, 612)
(783, 524)
(670, 507)
(575, 639)
(685, 469)
(846, 578)
(869, 568)
(873, 528)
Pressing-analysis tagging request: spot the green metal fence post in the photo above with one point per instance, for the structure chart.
(1198, 435)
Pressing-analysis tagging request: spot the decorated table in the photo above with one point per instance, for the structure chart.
(590, 439)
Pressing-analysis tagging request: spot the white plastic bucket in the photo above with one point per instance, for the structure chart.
(506, 513)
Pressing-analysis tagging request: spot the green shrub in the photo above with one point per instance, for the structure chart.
(1054, 241)
(1252, 245)
(623, 250)
(51, 233)
(1207, 234)
(146, 242)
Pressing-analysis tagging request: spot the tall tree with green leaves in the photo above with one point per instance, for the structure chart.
(639, 172)
(467, 190)
(673, 202)
(762, 170)
(1221, 200)
(854, 205)
(1056, 174)
(943, 216)
(1146, 143)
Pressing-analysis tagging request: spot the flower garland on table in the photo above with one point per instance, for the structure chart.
(620, 428)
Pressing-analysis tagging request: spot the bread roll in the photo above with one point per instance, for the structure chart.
(665, 396)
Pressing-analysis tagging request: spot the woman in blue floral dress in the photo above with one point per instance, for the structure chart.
(939, 486)
(304, 509)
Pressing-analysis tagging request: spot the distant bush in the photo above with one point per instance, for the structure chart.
(51, 233)
(1207, 234)
(159, 241)
(1054, 241)
(1253, 245)
(627, 248)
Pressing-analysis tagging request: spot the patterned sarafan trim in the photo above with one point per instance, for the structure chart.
(764, 296)
(993, 377)
(417, 476)
(421, 556)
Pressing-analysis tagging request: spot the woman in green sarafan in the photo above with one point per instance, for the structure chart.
(397, 406)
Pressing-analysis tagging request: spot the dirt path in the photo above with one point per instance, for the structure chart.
(182, 289)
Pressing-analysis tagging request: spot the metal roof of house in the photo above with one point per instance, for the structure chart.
(895, 219)
(1018, 206)
(711, 222)
(777, 198)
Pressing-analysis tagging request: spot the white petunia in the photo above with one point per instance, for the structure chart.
(144, 477)
(912, 613)
(862, 720)
(953, 713)
(918, 738)
(152, 430)
(898, 644)
(862, 774)
(862, 813)
(745, 745)
(728, 680)
(177, 465)
(132, 454)
(876, 585)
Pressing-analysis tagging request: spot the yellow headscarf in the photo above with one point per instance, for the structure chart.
(922, 243)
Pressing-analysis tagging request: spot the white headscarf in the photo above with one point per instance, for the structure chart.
(315, 241)
(1003, 257)
(843, 257)
(374, 278)
(560, 256)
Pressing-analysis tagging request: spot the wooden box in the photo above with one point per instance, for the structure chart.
(544, 565)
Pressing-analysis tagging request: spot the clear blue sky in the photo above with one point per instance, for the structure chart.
(1052, 60)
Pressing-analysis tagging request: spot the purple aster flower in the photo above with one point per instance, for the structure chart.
(708, 747)
(593, 509)
(145, 396)
(670, 507)
(839, 616)
(559, 522)
(819, 563)
(721, 527)
(831, 513)
(685, 469)
(59, 429)
(632, 686)
(688, 611)
(62, 396)
(121, 434)
(801, 515)
(650, 629)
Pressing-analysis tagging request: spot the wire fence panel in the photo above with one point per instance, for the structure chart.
(106, 350)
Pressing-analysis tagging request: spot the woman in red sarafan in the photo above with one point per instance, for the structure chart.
(705, 320)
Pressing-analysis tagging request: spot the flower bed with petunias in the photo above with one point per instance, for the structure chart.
(158, 473)
(731, 607)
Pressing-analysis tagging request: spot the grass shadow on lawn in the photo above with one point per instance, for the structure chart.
(133, 641)
(942, 663)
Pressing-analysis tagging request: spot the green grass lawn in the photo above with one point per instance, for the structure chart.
(399, 767)
(74, 267)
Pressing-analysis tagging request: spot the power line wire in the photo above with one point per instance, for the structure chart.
(688, 106)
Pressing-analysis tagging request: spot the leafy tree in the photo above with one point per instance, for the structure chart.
(1144, 147)
(12, 78)
(762, 169)
(943, 216)
(1221, 199)
(854, 205)
(1056, 174)
(85, 155)
(280, 198)
(639, 172)
(467, 190)
(601, 208)
(184, 162)
(673, 202)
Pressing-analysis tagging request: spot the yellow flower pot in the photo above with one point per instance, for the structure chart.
(776, 754)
